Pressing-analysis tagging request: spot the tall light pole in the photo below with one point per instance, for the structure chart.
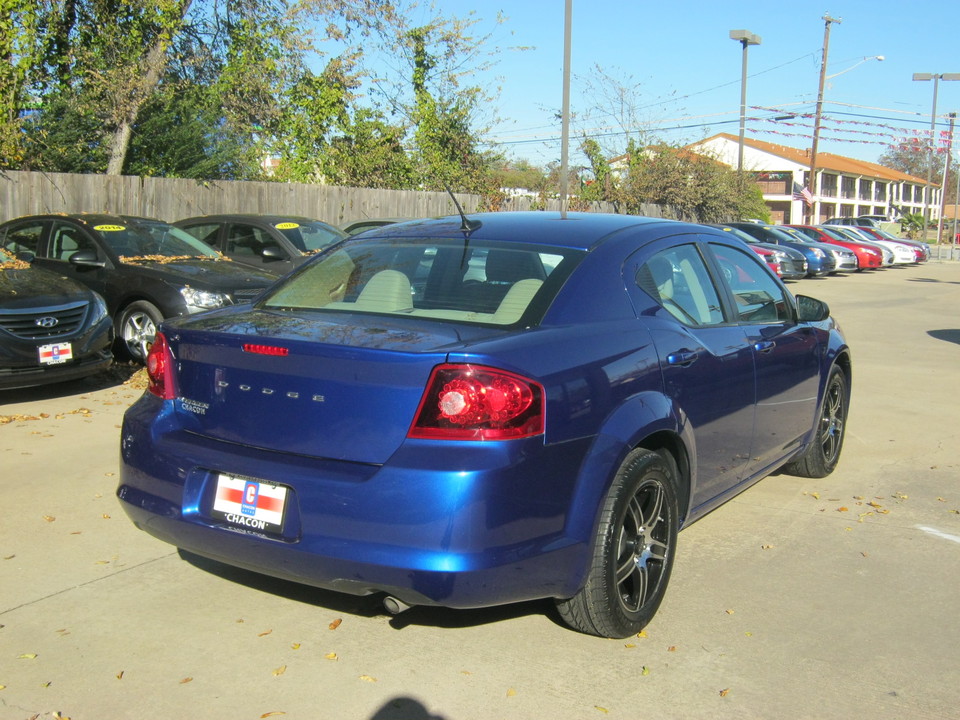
(812, 185)
(746, 39)
(933, 128)
(565, 112)
(946, 175)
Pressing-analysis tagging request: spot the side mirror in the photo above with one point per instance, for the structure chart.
(86, 258)
(812, 310)
(26, 256)
(273, 253)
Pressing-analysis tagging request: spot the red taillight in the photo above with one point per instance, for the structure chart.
(471, 402)
(160, 369)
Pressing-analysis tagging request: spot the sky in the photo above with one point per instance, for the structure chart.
(684, 71)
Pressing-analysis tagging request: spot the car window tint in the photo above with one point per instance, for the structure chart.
(66, 240)
(678, 280)
(456, 281)
(207, 233)
(22, 238)
(759, 298)
(310, 237)
(249, 241)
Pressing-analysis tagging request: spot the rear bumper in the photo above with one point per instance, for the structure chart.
(426, 535)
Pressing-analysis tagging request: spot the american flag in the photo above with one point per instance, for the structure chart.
(801, 193)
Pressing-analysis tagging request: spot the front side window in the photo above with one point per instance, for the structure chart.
(456, 280)
(758, 297)
(68, 239)
(678, 280)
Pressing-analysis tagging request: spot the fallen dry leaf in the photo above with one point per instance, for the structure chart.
(630, 645)
(367, 678)
(295, 646)
(186, 680)
(766, 547)
(730, 612)
(280, 671)
(49, 518)
(843, 508)
(27, 656)
(120, 675)
(511, 692)
(601, 709)
(331, 656)
(642, 634)
(335, 624)
(645, 670)
(274, 713)
(264, 633)
(672, 648)
(724, 692)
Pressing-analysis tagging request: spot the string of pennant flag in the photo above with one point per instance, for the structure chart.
(905, 138)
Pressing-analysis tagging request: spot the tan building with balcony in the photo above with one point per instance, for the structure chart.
(844, 187)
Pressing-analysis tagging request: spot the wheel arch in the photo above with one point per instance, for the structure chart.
(648, 421)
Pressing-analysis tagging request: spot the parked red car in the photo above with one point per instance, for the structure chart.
(869, 258)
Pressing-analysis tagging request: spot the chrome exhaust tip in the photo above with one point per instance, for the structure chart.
(394, 606)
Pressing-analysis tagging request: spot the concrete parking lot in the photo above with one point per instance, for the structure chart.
(833, 598)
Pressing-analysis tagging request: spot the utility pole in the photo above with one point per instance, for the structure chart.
(813, 185)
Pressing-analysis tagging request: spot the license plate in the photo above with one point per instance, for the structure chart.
(250, 503)
(55, 354)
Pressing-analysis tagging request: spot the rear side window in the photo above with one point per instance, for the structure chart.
(457, 281)
(22, 238)
(678, 280)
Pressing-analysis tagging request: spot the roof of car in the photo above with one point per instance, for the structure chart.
(582, 230)
(250, 217)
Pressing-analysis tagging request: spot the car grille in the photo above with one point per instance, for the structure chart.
(246, 295)
(44, 323)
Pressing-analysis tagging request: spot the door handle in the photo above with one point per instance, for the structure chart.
(764, 346)
(684, 358)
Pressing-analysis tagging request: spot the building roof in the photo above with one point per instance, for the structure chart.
(825, 161)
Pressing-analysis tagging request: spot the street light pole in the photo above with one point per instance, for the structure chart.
(813, 185)
(746, 39)
(933, 128)
(946, 175)
(565, 112)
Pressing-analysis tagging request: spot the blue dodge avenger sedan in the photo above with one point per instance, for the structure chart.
(468, 412)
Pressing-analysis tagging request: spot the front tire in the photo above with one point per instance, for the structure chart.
(634, 550)
(137, 329)
(822, 455)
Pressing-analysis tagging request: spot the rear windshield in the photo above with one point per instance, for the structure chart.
(456, 280)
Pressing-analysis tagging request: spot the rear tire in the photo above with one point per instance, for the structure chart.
(822, 455)
(633, 552)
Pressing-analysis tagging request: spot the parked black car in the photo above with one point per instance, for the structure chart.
(275, 243)
(52, 329)
(146, 270)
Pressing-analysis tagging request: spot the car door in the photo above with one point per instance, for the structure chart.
(706, 361)
(786, 356)
(257, 246)
(64, 240)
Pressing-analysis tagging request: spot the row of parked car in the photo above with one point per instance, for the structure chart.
(798, 251)
(78, 289)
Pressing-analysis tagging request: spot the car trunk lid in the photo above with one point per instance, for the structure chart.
(314, 386)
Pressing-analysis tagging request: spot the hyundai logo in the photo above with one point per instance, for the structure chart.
(46, 322)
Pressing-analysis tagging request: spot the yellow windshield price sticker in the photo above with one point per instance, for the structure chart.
(109, 228)
(287, 226)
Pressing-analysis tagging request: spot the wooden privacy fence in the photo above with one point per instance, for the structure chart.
(29, 193)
